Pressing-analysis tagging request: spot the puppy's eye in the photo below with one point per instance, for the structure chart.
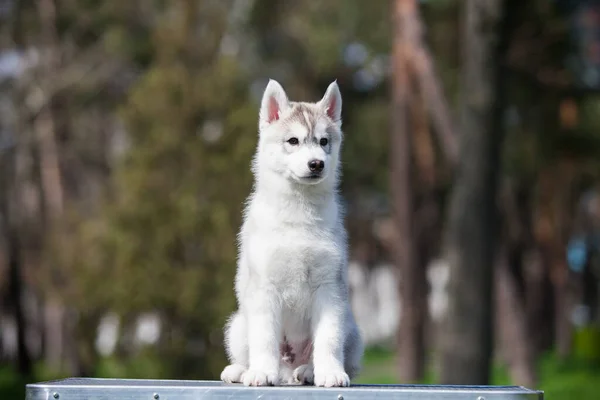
(324, 142)
(293, 141)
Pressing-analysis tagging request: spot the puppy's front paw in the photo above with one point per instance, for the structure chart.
(331, 378)
(304, 374)
(254, 377)
(233, 373)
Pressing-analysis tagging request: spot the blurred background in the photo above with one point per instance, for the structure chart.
(471, 171)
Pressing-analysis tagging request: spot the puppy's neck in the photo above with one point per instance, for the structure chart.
(290, 202)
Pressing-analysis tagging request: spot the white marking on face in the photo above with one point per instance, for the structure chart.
(306, 150)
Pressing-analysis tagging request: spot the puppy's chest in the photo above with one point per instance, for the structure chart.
(298, 269)
(300, 259)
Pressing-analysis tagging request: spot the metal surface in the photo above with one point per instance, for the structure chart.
(125, 389)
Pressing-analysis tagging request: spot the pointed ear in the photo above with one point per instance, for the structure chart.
(332, 102)
(274, 101)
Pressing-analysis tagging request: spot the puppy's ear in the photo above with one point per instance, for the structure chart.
(332, 103)
(274, 102)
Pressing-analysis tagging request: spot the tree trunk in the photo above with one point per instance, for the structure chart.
(512, 324)
(412, 277)
(467, 344)
(427, 207)
(562, 304)
(552, 223)
(51, 177)
(516, 339)
(44, 123)
(16, 294)
(539, 307)
(8, 209)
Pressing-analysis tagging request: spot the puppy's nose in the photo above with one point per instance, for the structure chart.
(316, 165)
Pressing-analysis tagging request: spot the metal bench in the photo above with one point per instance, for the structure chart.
(129, 389)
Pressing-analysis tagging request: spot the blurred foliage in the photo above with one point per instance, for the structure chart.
(587, 344)
(175, 255)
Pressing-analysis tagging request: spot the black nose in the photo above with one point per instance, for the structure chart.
(316, 165)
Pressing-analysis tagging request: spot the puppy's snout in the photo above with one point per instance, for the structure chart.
(316, 165)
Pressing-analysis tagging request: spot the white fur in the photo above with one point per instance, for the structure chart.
(291, 280)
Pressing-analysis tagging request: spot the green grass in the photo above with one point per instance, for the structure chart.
(12, 386)
(378, 367)
(560, 380)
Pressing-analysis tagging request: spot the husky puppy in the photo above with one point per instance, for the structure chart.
(294, 323)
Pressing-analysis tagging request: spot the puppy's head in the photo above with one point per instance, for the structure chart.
(300, 141)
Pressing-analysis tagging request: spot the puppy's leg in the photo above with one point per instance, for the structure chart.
(236, 346)
(328, 331)
(264, 338)
(353, 347)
